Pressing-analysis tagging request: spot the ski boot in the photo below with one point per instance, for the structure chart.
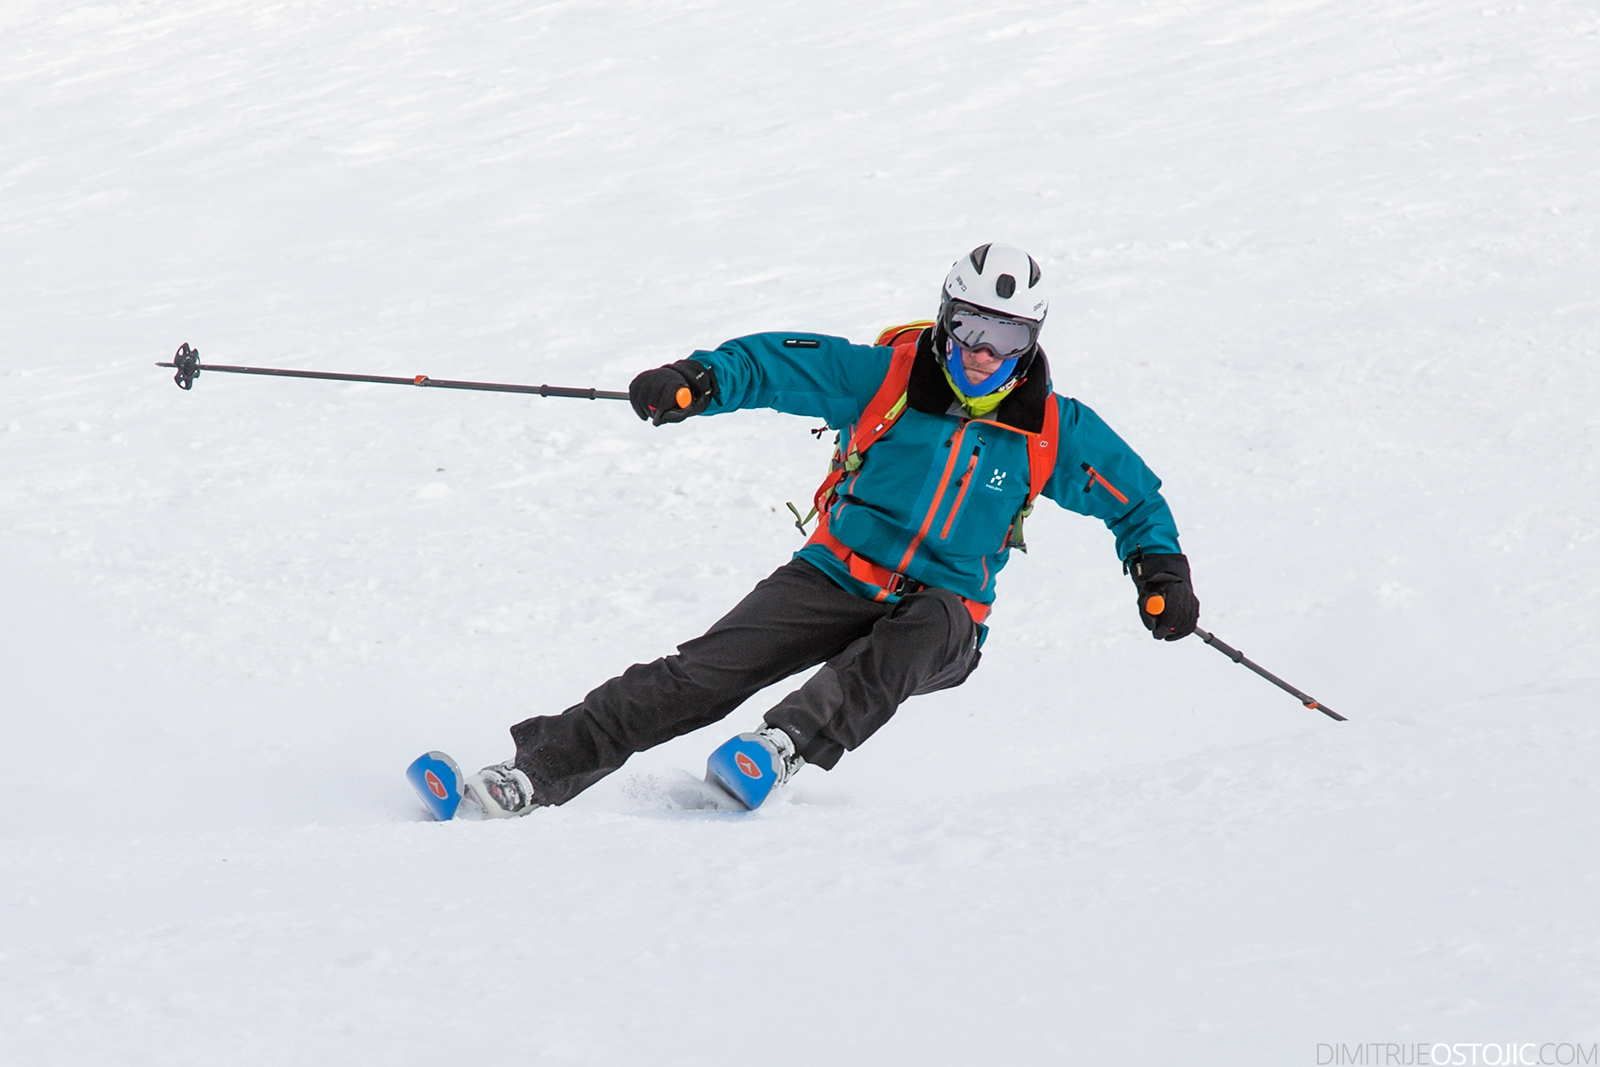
(500, 791)
(751, 766)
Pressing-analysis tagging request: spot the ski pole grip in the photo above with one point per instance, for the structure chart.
(1155, 605)
(684, 396)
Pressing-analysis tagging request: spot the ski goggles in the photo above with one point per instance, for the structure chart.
(1003, 335)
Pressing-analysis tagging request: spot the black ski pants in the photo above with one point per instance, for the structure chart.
(874, 657)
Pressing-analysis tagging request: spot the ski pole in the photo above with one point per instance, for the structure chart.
(1239, 657)
(187, 364)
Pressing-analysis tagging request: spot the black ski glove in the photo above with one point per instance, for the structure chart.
(655, 394)
(1167, 604)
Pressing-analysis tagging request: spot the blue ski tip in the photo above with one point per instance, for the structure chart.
(437, 780)
(742, 766)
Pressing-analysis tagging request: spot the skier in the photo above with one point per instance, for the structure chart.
(948, 430)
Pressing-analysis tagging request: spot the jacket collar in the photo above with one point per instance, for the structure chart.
(1022, 409)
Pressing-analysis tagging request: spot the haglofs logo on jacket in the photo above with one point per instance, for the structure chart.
(997, 480)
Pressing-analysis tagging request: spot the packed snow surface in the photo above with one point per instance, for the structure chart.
(1331, 266)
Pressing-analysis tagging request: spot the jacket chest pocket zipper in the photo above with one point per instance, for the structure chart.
(961, 494)
(953, 444)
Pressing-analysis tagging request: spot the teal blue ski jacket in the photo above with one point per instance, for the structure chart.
(910, 508)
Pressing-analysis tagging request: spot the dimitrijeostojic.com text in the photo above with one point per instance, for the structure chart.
(1415, 1053)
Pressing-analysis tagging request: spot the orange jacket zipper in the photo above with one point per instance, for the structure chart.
(938, 497)
(955, 509)
(1096, 476)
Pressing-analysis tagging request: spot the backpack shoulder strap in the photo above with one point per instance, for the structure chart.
(1043, 448)
(881, 412)
(887, 404)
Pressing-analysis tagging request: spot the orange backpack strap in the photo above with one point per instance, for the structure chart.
(1042, 449)
(881, 412)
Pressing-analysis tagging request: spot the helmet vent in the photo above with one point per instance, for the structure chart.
(1004, 286)
(978, 255)
(1033, 272)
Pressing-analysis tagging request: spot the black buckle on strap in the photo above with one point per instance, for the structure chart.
(899, 585)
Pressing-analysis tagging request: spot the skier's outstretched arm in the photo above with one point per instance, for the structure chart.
(798, 373)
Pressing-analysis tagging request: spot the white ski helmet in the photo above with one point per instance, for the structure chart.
(992, 300)
(1000, 278)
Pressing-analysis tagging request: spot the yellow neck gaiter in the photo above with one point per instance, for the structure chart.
(979, 406)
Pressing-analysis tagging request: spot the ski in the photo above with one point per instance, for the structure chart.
(437, 780)
(743, 768)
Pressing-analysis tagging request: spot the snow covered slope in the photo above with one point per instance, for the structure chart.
(1333, 268)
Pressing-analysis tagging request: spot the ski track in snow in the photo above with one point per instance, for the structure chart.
(1333, 268)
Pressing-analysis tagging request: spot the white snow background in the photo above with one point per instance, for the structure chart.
(1333, 268)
